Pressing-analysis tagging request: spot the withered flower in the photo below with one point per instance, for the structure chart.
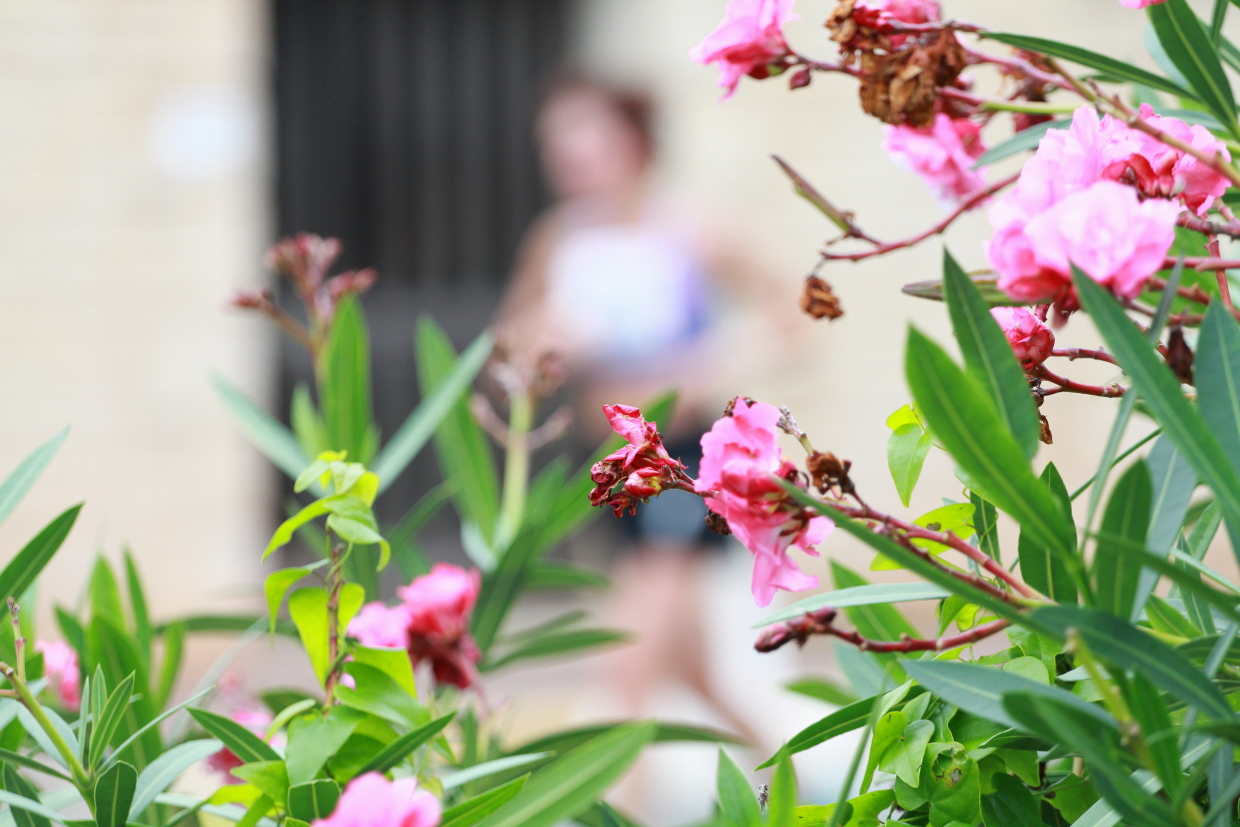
(819, 301)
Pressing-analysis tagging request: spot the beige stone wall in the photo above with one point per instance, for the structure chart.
(132, 200)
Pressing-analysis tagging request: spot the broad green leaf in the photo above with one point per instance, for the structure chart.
(1116, 572)
(1011, 804)
(965, 421)
(1164, 618)
(344, 383)
(378, 694)
(1173, 481)
(315, 737)
(413, 434)
(1123, 644)
(143, 632)
(907, 448)
(1109, 66)
(21, 478)
(22, 570)
(269, 777)
(851, 717)
(245, 744)
(113, 794)
(402, 747)
(737, 803)
(167, 768)
(1189, 47)
(863, 811)
(463, 450)
(575, 780)
(988, 356)
(105, 595)
(308, 608)
(904, 757)
(279, 582)
(394, 662)
(980, 689)
(284, 532)
(1154, 382)
(781, 809)
(955, 786)
(869, 594)
(313, 800)
(265, 433)
(1022, 141)
(557, 644)
(472, 810)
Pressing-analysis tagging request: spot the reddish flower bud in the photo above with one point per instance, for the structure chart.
(1031, 340)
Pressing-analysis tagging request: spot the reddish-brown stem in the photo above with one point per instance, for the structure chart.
(821, 622)
(1109, 391)
(1075, 353)
(1208, 227)
(1203, 263)
(959, 94)
(966, 205)
(1193, 294)
(1015, 65)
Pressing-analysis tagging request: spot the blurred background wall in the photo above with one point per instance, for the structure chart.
(151, 149)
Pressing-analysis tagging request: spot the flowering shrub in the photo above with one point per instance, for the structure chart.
(1105, 695)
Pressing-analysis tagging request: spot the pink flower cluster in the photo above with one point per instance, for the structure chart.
(431, 622)
(60, 667)
(371, 800)
(740, 459)
(644, 464)
(747, 41)
(1069, 207)
(942, 153)
(1030, 338)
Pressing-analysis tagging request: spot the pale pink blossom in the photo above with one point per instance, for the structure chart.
(381, 627)
(438, 606)
(747, 41)
(371, 800)
(1032, 341)
(1139, 4)
(60, 667)
(643, 464)
(1162, 171)
(740, 458)
(942, 153)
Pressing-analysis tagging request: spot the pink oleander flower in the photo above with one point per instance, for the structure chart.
(1032, 341)
(740, 457)
(431, 622)
(644, 464)
(1139, 4)
(747, 41)
(1161, 171)
(225, 761)
(942, 153)
(60, 667)
(371, 800)
(879, 14)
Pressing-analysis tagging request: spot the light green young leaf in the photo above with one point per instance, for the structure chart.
(781, 810)
(19, 481)
(269, 777)
(22, 570)
(737, 802)
(279, 582)
(314, 738)
(394, 662)
(907, 448)
(344, 383)
(904, 757)
(114, 793)
(375, 692)
(880, 593)
(265, 433)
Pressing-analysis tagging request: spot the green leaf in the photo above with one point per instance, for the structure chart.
(314, 738)
(31, 806)
(17, 759)
(869, 594)
(559, 742)
(1123, 644)
(269, 777)
(1216, 366)
(980, 689)
(105, 595)
(245, 744)
(986, 524)
(313, 800)
(279, 582)
(821, 689)
(1173, 481)
(851, 717)
(19, 481)
(22, 570)
(307, 424)
(1010, 805)
(1115, 572)
(143, 632)
(1022, 141)
(1157, 731)
(988, 356)
(907, 448)
(107, 722)
(1154, 382)
(558, 643)
(284, 532)
(464, 453)
(167, 768)
(413, 434)
(378, 694)
(472, 810)
(575, 780)
(308, 608)
(1109, 66)
(966, 423)
(453, 780)
(344, 383)
(398, 750)
(904, 757)
(564, 574)
(781, 810)
(394, 662)
(265, 433)
(113, 794)
(174, 648)
(1189, 47)
(150, 725)
(1164, 618)
(14, 783)
(737, 803)
(875, 621)
(111, 648)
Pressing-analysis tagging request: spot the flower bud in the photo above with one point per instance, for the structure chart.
(1031, 340)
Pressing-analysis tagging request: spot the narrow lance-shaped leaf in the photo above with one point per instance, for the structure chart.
(265, 433)
(1115, 572)
(1040, 567)
(1189, 47)
(22, 570)
(19, 481)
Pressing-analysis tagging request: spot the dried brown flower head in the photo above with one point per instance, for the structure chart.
(819, 301)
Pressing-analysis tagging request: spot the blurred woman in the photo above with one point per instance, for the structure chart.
(625, 282)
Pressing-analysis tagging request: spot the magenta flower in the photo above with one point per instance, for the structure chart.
(740, 458)
(1032, 341)
(60, 667)
(644, 464)
(371, 800)
(1139, 4)
(747, 41)
(431, 622)
(880, 14)
(942, 153)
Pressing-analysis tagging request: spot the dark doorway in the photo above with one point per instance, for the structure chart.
(404, 129)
